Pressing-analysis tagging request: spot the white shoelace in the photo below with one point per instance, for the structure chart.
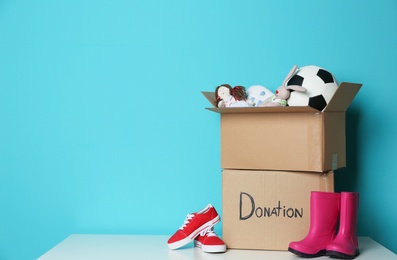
(187, 220)
(206, 232)
(209, 232)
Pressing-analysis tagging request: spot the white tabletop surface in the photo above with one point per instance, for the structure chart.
(118, 247)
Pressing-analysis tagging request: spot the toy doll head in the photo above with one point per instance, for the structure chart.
(224, 91)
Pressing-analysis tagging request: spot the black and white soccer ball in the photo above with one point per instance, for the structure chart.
(320, 87)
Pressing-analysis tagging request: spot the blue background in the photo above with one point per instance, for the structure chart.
(103, 126)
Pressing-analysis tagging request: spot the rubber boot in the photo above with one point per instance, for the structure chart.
(345, 245)
(324, 215)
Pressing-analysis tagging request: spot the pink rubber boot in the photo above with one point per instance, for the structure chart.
(345, 245)
(324, 215)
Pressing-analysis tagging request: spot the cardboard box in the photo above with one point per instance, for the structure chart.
(285, 138)
(268, 209)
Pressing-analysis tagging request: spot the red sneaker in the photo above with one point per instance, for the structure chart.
(209, 242)
(193, 225)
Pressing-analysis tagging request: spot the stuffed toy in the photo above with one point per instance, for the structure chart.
(283, 92)
(226, 96)
(258, 95)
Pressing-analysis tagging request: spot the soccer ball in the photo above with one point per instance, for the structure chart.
(258, 95)
(320, 86)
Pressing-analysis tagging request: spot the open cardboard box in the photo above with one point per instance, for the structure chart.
(268, 209)
(286, 138)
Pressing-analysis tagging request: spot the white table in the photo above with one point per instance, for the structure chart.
(118, 247)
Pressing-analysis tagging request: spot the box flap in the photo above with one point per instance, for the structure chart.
(343, 97)
(210, 96)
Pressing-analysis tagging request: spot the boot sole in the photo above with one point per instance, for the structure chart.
(301, 254)
(339, 255)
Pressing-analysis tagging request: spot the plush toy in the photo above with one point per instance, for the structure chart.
(226, 96)
(283, 92)
(258, 95)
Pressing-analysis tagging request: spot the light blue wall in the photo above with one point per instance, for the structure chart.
(102, 123)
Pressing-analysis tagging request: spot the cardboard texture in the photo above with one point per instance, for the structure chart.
(286, 138)
(268, 209)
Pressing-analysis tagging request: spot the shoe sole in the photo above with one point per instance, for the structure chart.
(339, 255)
(304, 255)
(194, 234)
(210, 248)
